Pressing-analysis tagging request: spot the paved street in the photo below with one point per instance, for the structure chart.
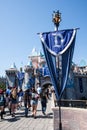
(72, 119)
(22, 123)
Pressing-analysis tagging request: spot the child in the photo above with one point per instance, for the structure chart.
(34, 102)
(20, 98)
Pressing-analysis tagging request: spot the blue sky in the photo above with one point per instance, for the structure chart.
(21, 20)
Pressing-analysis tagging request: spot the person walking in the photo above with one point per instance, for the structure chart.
(2, 103)
(34, 102)
(20, 98)
(8, 98)
(14, 99)
(27, 98)
(44, 102)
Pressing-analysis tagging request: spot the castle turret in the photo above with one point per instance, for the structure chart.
(11, 76)
(29, 76)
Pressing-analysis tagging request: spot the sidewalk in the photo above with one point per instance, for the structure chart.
(72, 119)
(22, 123)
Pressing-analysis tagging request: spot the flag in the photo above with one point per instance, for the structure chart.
(56, 44)
(45, 71)
(20, 76)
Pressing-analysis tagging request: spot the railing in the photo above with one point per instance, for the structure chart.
(72, 103)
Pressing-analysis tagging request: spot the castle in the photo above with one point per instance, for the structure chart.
(37, 71)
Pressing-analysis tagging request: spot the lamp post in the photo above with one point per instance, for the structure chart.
(56, 20)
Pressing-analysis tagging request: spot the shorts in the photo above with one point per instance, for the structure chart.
(14, 101)
(1, 103)
(34, 102)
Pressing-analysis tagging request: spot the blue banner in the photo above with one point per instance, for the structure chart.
(20, 76)
(55, 44)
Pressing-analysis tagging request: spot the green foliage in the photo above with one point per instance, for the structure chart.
(2, 85)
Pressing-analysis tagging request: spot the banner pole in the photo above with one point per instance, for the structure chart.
(60, 123)
(56, 20)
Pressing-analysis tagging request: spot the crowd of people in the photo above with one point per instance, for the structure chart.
(14, 98)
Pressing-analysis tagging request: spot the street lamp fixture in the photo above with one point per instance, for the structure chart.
(56, 19)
